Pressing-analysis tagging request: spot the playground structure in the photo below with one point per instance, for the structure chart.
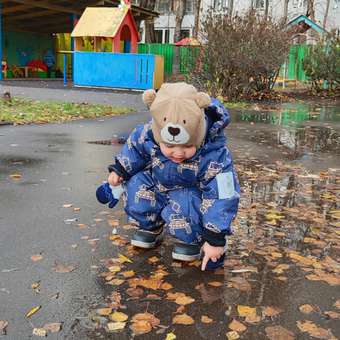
(121, 67)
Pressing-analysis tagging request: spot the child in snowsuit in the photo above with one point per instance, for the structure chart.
(177, 173)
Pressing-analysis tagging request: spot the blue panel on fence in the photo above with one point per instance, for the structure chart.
(132, 71)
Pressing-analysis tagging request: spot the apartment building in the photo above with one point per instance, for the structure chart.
(165, 23)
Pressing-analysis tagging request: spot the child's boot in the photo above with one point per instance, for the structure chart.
(147, 239)
(186, 252)
(109, 194)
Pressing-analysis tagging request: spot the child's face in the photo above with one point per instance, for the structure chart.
(178, 153)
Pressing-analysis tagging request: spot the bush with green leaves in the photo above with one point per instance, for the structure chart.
(322, 63)
(241, 55)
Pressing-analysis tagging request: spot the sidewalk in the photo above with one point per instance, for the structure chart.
(55, 90)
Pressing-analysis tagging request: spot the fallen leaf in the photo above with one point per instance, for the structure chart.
(237, 326)
(37, 257)
(337, 304)
(104, 311)
(246, 311)
(123, 259)
(240, 283)
(67, 205)
(62, 268)
(141, 327)
(115, 326)
(116, 282)
(135, 292)
(279, 333)
(253, 318)
(53, 327)
(15, 176)
(36, 286)
(180, 310)
(170, 336)
(114, 269)
(3, 326)
(184, 300)
(98, 220)
(32, 311)
(153, 259)
(317, 332)
(206, 319)
(128, 274)
(119, 316)
(76, 209)
(113, 223)
(333, 315)
(232, 335)
(215, 284)
(166, 286)
(148, 317)
(39, 332)
(150, 283)
(306, 309)
(270, 311)
(183, 319)
(280, 268)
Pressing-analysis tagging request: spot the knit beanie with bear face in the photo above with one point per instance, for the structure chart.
(177, 111)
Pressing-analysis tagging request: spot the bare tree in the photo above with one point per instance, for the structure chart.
(266, 9)
(178, 7)
(197, 18)
(310, 9)
(149, 23)
(326, 14)
(285, 11)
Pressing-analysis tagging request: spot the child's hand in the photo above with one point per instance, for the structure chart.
(210, 253)
(114, 179)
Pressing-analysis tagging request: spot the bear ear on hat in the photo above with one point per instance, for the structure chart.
(203, 100)
(149, 96)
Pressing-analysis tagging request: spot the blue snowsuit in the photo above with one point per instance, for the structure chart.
(197, 199)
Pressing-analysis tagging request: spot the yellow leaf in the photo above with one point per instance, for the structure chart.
(232, 335)
(141, 327)
(15, 176)
(116, 282)
(246, 310)
(123, 258)
(39, 332)
(118, 317)
(270, 311)
(206, 319)
(316, 332)
(166, 286)
(114, 269)
(183, 319)
(147, 317)
(170, 336)
(32, 311)
(237, 326)
(115, 326)
(153, 259)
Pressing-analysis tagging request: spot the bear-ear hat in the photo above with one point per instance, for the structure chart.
(177, 111)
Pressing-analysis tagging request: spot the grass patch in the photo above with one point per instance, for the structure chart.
(24, 111)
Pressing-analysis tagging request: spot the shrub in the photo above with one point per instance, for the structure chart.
(241, 56)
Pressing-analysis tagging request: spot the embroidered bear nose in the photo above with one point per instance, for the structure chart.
(174, 131)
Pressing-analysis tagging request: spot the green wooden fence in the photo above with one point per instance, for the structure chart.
(292, 70)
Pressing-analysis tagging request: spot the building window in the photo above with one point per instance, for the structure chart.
(167, 36)
(163, 6)
(189, 6)
(259, 4)
(158, 36)
(184, 34)
(220, 5)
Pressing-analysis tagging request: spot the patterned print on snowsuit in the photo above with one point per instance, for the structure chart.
(197, 199)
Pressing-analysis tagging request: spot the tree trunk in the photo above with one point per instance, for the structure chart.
(179, 10)
(197, 18)
(149, 23)
(266, 9)
(310, 10)
(326, 15)
(285, 11)
(231, 7)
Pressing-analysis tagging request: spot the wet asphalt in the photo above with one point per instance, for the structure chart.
(58, 166)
